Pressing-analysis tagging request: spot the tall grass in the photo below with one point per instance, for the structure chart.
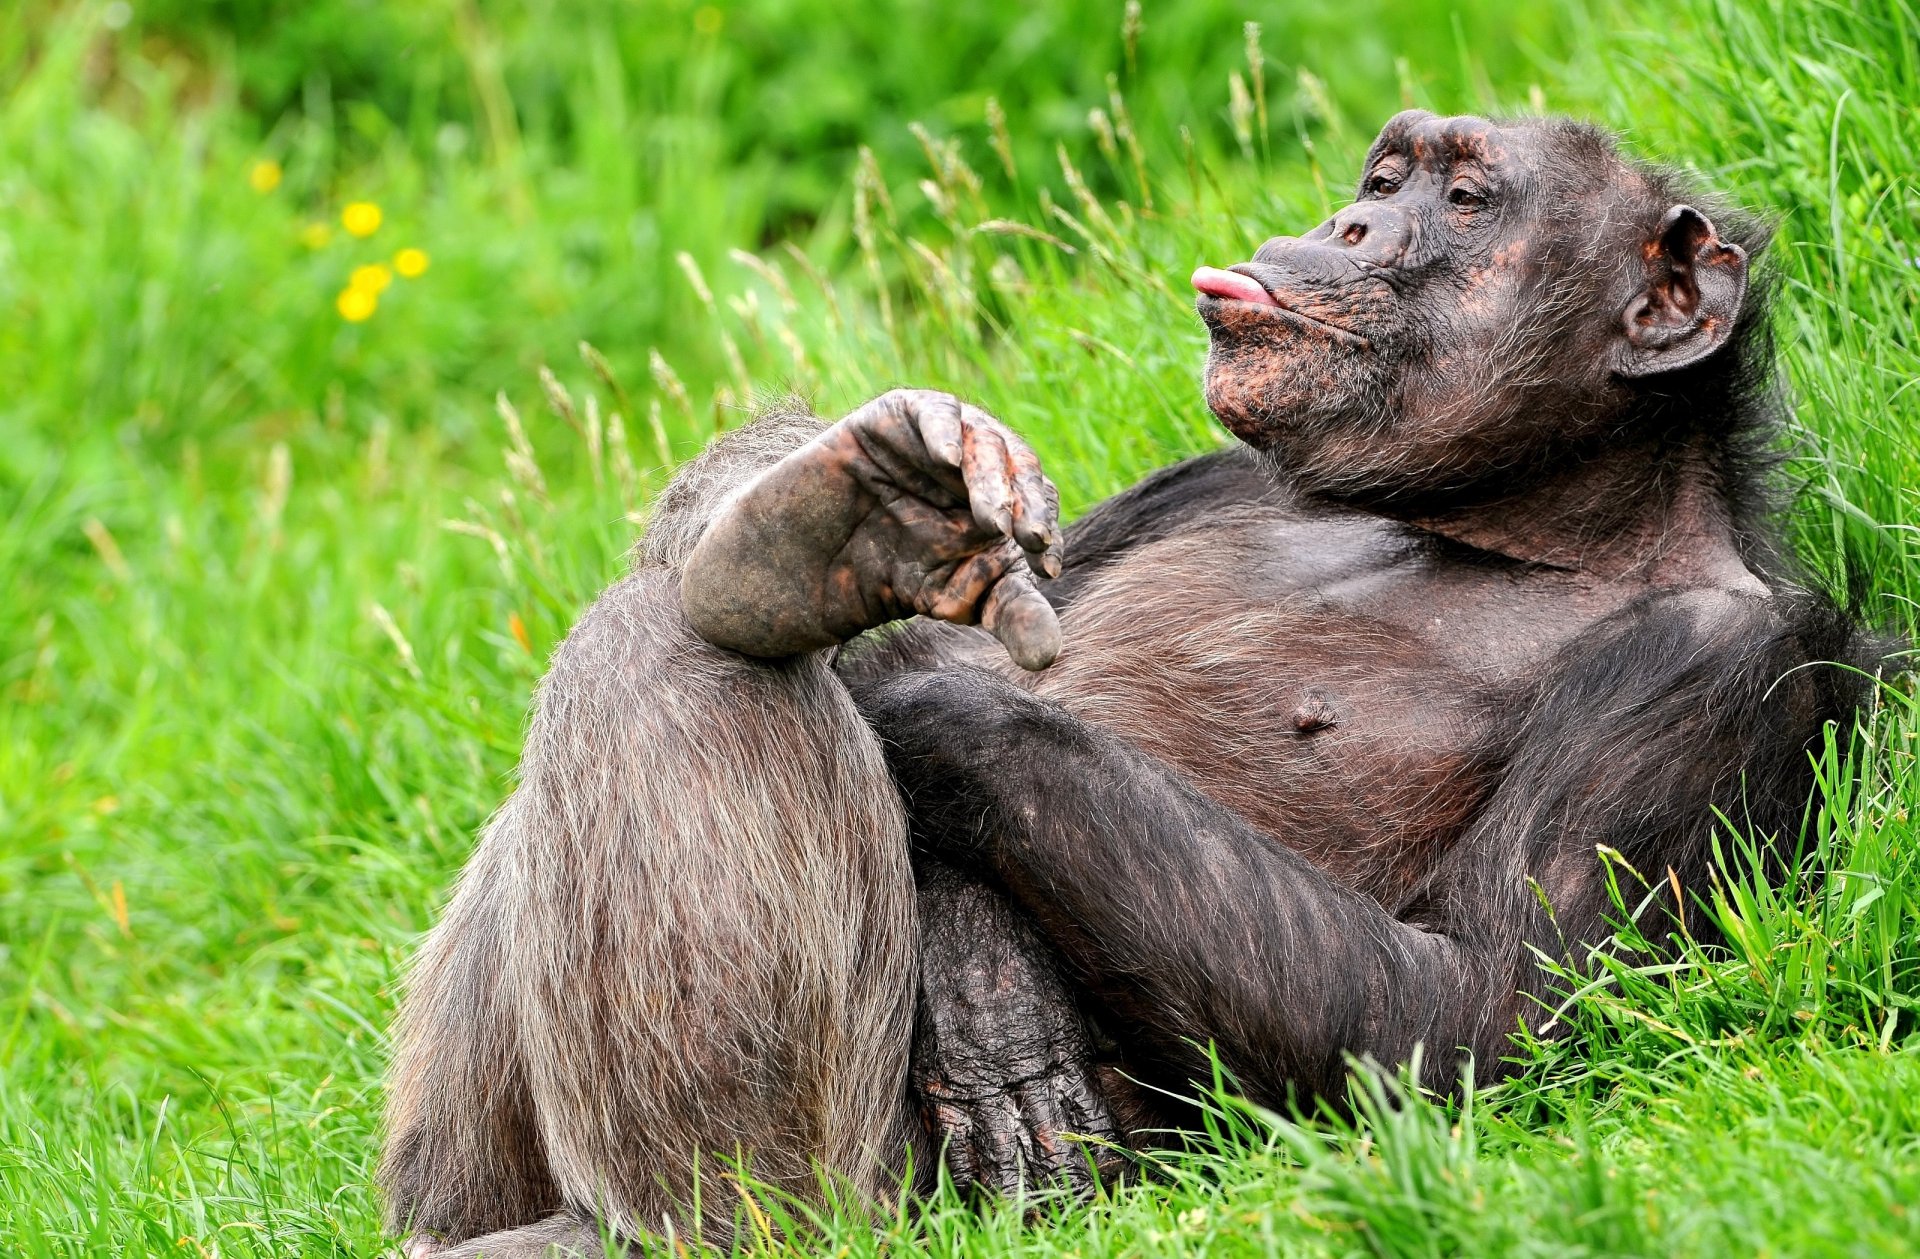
(279, 586)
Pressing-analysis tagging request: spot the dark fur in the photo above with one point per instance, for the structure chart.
(1332, 719)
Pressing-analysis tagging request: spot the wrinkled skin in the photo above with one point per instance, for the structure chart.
(1002, 1067)
(1392, 362)
(914, 504)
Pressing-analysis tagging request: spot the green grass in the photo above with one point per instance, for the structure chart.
(256, 691)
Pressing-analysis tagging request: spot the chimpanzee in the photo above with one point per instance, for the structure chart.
(1310, 745)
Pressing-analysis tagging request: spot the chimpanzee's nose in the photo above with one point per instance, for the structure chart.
(1371, 231)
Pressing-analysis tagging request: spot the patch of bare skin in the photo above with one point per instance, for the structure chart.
(1471, 143)
(1511, 253)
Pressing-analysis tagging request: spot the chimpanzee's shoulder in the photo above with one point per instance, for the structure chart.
(1164, 504)
(1804, 620)
(1726, 655)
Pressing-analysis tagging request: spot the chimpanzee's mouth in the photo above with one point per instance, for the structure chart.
(1237, 286)
(1232, 285)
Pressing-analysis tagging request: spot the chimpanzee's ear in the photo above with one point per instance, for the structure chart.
(1695, 284)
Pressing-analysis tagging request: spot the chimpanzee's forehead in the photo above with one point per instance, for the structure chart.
(1429, 138)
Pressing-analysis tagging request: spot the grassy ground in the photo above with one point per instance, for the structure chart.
(278, 584)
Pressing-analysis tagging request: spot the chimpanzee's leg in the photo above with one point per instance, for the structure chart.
(566, 1235)
(693, 934)
(690, 935)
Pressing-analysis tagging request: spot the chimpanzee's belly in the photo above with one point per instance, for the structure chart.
(1342, 691)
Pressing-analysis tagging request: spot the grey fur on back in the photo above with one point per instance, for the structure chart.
(690, 932)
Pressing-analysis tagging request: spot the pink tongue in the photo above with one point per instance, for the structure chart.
(1231, 284)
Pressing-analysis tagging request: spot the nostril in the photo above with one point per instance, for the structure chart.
(1355, 233)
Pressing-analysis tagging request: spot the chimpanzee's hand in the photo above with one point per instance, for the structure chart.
(1001, 1065)
(915, 503)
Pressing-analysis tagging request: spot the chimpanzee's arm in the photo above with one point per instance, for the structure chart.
(1196, 928)
(1166, 503)
(1184, 920)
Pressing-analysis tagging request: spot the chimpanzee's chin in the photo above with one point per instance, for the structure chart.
(1242, 406)
(1271, 391)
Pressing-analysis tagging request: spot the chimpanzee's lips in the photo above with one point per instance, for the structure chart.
(1233, 285)
(1237, 286)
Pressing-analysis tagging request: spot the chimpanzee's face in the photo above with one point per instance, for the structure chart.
(1413, 339)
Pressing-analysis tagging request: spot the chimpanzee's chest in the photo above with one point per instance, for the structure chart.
(1344, 689)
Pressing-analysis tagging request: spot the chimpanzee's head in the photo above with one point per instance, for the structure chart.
(1497, 293)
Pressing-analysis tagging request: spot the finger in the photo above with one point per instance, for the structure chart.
(1007, 1154)
(1057, 1159)
(1095, 1158)
(1085, 1106)
(1056, 556)
(1068, 1167)
(955, 1129)
(939, 415)
(1035, 526)
(960, 596)
(1036, 514)
(988, 476)
(1025, 623)
(901, 428)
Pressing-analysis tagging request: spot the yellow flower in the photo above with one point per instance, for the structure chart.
(264, 175)
(374, 278)
(356, 304)
(361, 218)
(707, 19)
(316, 235)
(411, 263)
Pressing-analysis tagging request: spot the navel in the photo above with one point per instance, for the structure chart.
(1315, 711)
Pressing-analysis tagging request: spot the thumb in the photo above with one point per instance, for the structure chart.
(1021, 618)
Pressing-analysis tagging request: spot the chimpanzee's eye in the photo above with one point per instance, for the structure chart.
(1382, 186)
(1465, 198)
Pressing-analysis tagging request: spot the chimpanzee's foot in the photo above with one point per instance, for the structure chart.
(1051, 1132)
(1002, 1066)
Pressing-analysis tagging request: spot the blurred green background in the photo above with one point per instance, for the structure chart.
(289, 518)
(553, 158)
